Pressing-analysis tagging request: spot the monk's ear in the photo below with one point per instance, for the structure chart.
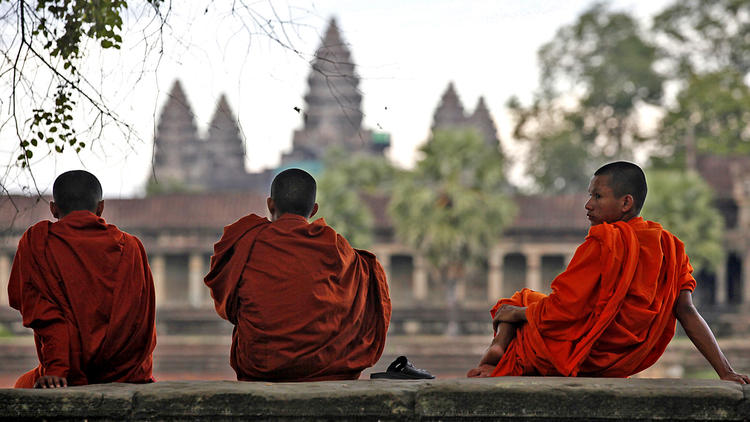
(628, 202)
(99, 209)
(54, 210)
(271, 206)
(314, 210)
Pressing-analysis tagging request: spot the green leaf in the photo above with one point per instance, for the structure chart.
(29, 154)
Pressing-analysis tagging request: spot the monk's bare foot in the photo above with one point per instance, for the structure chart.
(481, 371)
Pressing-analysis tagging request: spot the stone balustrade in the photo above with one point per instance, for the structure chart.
(509, 398)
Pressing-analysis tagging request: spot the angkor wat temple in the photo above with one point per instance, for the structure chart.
(200, 184)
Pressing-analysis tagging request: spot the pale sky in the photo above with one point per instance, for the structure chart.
(406, 53)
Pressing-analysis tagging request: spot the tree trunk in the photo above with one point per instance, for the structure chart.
(690, 153)
(452, 277)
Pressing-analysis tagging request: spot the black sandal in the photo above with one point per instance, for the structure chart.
(402, 369)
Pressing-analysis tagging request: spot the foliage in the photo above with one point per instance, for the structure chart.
(558, 160)
(681, 202)
(451, 207)
(5, 332)
(595, 75)
(604, 55)
(712, 116)
(705, 36)
(53, 33)
(343, 188)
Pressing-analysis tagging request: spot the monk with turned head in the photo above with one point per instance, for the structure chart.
(85, 288)
(305, 305)
(613, 311)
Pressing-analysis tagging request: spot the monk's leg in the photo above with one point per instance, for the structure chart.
(505, 333)
(28, 379)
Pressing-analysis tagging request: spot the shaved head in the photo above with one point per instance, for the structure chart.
(77, 190)
(626, 178)
(293, 191)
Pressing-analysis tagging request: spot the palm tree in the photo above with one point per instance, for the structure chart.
(453, 207)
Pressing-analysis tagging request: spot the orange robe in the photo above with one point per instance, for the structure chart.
(610, 313)
(86, 290)
(305, 305)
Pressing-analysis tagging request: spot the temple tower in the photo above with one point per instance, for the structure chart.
(332, 116)
(483, 123)
(186, 162)
(450, 112)
(224, 149)
(450, 115)
(176, 145)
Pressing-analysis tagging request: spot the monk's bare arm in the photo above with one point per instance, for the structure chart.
(510, 314)
(703, 339)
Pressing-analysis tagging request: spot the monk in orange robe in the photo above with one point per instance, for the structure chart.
(613, 311)
(85, 288)
(305, 305)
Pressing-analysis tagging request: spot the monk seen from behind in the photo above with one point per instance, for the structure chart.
(613, 311)
(86, 290)
(305, 305)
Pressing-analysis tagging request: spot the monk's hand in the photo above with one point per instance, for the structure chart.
(50, 381)
(733, 376)
(509, 313)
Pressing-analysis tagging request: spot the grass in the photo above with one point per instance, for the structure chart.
(704, 374)
(5, 332)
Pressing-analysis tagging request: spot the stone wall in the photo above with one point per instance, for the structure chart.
(509, 398)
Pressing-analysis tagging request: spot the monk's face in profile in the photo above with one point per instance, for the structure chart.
(603, 205)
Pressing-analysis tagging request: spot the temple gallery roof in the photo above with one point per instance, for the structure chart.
(216, 210)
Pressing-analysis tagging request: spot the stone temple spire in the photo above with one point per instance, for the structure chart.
(176, 145)
(224, 145)
(483, 123)
(332, 115)
(333, 88)
(450, 112)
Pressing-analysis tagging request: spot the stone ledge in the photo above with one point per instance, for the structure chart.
(509, 398)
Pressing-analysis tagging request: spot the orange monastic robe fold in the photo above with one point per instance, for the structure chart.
(86, 290)
(610, 313)
(305, 304)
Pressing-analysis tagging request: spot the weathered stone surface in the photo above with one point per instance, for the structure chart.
(744, 408)
(98, 402)
(582, 398)
(316, 400)
(510, 398)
